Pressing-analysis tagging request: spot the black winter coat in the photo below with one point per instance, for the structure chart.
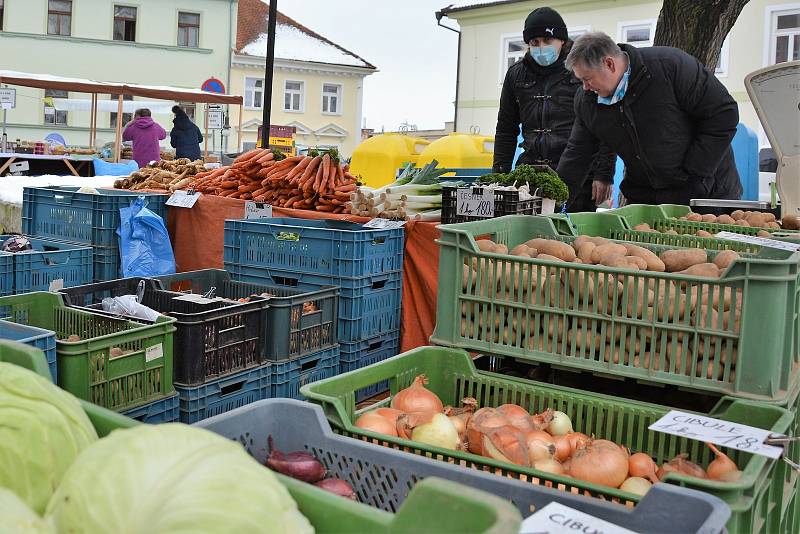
(673, 129)
(185, 137)
(542, 100)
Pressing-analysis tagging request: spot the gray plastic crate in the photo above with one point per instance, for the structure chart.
(383, 477)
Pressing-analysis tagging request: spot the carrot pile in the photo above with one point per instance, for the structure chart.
(317, 181)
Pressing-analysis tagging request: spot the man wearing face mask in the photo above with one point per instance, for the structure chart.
(666, 115)
(538, 92)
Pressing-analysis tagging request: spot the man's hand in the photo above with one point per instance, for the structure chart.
(601, 191)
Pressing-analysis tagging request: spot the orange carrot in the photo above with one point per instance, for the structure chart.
(249, 188)
(308, 171)
(265, 157)
(314, 186)
(299, 168)
(346, 188)
(324, 207)
(247, 155)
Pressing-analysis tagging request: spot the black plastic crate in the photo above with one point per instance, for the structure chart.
(297, 322)
(213, 338)
(506, 202)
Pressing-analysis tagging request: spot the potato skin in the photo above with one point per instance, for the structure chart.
(725, 258)
(678, 260)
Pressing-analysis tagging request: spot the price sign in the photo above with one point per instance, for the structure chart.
(384, 224)
(257, 210)
(8, 98)
(153, 353)
(702, 428)
(761, 241)
(472, 204)
(555, 518)
(182, 199)
(215, 120)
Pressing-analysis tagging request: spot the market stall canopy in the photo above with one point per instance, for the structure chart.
(110, 106)
(82, 85)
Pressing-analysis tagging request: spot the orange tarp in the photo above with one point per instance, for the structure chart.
(198, 235)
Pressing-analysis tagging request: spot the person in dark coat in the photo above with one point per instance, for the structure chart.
(538, 92)
(185, 136)
(666, 115)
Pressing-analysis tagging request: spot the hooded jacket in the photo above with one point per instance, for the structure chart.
(145, 134)
(185, 136)
(673, 129)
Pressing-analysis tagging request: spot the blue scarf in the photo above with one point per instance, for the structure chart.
(621, 88)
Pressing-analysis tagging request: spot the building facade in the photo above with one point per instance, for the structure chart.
(317, 85)
(766, 32)
(177, 43)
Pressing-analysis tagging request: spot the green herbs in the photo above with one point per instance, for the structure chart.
(546, 181)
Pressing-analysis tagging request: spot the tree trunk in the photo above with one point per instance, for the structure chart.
(698, 28)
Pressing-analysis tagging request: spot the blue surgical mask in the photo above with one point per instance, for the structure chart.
(544, 55)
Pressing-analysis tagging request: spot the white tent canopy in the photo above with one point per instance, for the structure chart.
(111, 106)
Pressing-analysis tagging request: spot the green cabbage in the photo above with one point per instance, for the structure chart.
(42, 430)
(171, 478)
(15, 516)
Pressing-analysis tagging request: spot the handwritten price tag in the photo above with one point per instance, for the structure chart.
(473, 204)
(555, 518)
(702, 428)
(384, 224)
(761, 241)
(257, 210)
(180, 199)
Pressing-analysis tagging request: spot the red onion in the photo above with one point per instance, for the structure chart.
(337, 486)
(298, 464)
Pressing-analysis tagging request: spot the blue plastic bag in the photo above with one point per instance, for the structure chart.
(105, 168)
(144, 244)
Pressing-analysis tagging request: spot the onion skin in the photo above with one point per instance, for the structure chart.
(375, 423)
(390, 414)
(642, 466)
(576, 440)
(561, 424)
(479, 424)
(563, 448)
(517, 416)
(681, 465)
(408, 421)
(507, 444)
(438, 432)
(416, 398)
(604, 465)
(551, 466)
(721, 465)
(540, 445)
(636, 485)
(460, 417)
(338, 486)
(298, 464)
(541, 421)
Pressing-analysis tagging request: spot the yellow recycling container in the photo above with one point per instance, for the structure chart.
(460, 151)
(377, 159)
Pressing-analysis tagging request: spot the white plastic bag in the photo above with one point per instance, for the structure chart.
(128, 306)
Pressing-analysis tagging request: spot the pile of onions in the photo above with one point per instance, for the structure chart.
(600, 462)
(417, 399)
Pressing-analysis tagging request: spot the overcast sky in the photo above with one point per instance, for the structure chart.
(416, 59)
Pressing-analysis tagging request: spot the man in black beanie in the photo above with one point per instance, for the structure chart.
(538, 93)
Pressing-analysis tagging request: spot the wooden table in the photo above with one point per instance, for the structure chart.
(67, 160)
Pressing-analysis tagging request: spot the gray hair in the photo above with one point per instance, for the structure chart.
(590, 49)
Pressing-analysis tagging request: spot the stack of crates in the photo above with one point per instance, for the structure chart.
(48, 261)
(746, 352)
(63, 214)
(365, 263)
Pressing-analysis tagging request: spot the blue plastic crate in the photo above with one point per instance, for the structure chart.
(50, 260)
(6, 274)
(64, 214)
(360, 354)
(224, 394)
(44, 340)
(321, 247)
(367, 306)
(289, 376)
(162, 411)
(107, 264)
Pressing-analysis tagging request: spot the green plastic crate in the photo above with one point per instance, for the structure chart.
(611, 226)
(755, 499)
(432, 506)
(749, 350)
(142, 374)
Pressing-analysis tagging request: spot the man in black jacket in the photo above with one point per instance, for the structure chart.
(538, 92)
(668, 118)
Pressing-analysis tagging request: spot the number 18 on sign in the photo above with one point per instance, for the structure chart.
(471, 203)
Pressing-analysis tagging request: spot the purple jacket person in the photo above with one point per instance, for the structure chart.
(145, 134)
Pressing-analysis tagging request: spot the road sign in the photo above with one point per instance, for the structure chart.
(8, 98)
(213, 85)
(215, 120)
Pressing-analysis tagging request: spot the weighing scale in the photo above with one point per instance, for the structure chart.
(775, 94)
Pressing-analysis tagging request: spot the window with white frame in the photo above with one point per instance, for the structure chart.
(254, 93)
(785, 38)
(331, 98)
(514, 49)
(639, 33)
(293, 96)
(722, 63)
(53, 116)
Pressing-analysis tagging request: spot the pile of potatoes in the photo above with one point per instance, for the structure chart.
(516, 289)
(751, 219)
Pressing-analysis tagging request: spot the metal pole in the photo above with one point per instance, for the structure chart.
(205, 150)
(118, 131)
(269, 65)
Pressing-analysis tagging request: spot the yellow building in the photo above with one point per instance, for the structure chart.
(317, 85)
(766, 32)
(178, 43)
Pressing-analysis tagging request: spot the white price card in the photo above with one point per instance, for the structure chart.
(257, 210)
(761, 241)
(384, 224)
(472, 204)
(701, 428)
(153, 353)
(181, 199)
(555, 518)
(56, 285)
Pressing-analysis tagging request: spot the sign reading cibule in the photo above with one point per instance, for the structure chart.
(471, 203)
(555, 518)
